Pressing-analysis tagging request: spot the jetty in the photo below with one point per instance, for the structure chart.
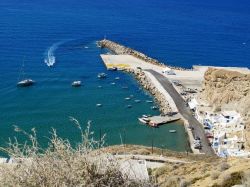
(156, 121)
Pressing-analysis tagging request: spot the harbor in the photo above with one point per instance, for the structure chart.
(172, 88)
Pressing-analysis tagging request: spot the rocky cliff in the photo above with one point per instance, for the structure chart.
(227, 90)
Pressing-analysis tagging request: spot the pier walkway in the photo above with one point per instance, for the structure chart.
(184, 111)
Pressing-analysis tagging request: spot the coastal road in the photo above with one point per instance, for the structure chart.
(198, 129)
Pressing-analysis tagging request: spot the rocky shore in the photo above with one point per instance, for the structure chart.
(122, 50)
(146, 83)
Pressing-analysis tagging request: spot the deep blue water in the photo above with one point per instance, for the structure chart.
(177, 32)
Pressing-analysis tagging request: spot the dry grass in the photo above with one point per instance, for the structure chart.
(62, 165)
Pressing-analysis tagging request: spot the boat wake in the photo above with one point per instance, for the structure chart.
(50, 58)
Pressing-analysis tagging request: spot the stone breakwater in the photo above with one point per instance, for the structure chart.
(122, 50)
(147, 84)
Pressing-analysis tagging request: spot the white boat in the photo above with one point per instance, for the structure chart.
(129, 106)
(113, 69)
(172, 131)
(154, 107)
(117, 78)
(25, 82)
(148, 101)
(113, 83)
(137, 101)
(142, 120)
(98, 105)
(127, 98)
(76, 83)
(102, 75)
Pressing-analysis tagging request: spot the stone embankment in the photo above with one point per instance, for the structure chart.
(147, 84)
(122, 50)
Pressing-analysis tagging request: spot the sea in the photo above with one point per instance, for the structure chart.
(63, 33)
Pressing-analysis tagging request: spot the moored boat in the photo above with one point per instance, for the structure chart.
(25, 83)
(102, 75)
(144, 120)
(76, 83)
(98, 105)
(172, 131)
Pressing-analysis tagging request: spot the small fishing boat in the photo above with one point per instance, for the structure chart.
(98, 105)
(154, 107)
(76, 83)
(102, 75)
(149, 101)
(144, 120)
(129, 106)
(172, 131)
(117, 78)
(152, 124)
(113, 83)
(127, 98)
(25, 82)
(137, 101)
(113, 69)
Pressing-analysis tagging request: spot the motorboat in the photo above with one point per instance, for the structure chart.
(154, 107)
(172, 131)
(102, 75)
(98, 105)
(127, 98)
(117, 78)
(137, 101)
(113, 69)
(76, 83)
(149, 101)
(129, 106)
(25, 83)
(144, 120)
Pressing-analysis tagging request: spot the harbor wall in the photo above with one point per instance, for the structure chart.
(148, 85)
(122, 50)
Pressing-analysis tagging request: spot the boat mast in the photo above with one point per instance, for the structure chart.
(21, 73)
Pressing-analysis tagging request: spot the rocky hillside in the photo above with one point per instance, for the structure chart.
(227, 90)
(230, 90)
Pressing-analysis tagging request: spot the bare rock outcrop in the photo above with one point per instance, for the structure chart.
(229, 90)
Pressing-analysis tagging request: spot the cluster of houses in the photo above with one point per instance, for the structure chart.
(224, 130)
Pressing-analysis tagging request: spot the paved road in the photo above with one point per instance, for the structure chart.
(184, 111)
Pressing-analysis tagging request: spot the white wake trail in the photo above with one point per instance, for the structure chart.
(50, 58)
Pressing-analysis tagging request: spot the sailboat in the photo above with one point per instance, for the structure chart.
(25, 82)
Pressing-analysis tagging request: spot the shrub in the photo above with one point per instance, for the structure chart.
(61, 164)
(246, 178)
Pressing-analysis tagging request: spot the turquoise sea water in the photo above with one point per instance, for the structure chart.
(179, 33)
